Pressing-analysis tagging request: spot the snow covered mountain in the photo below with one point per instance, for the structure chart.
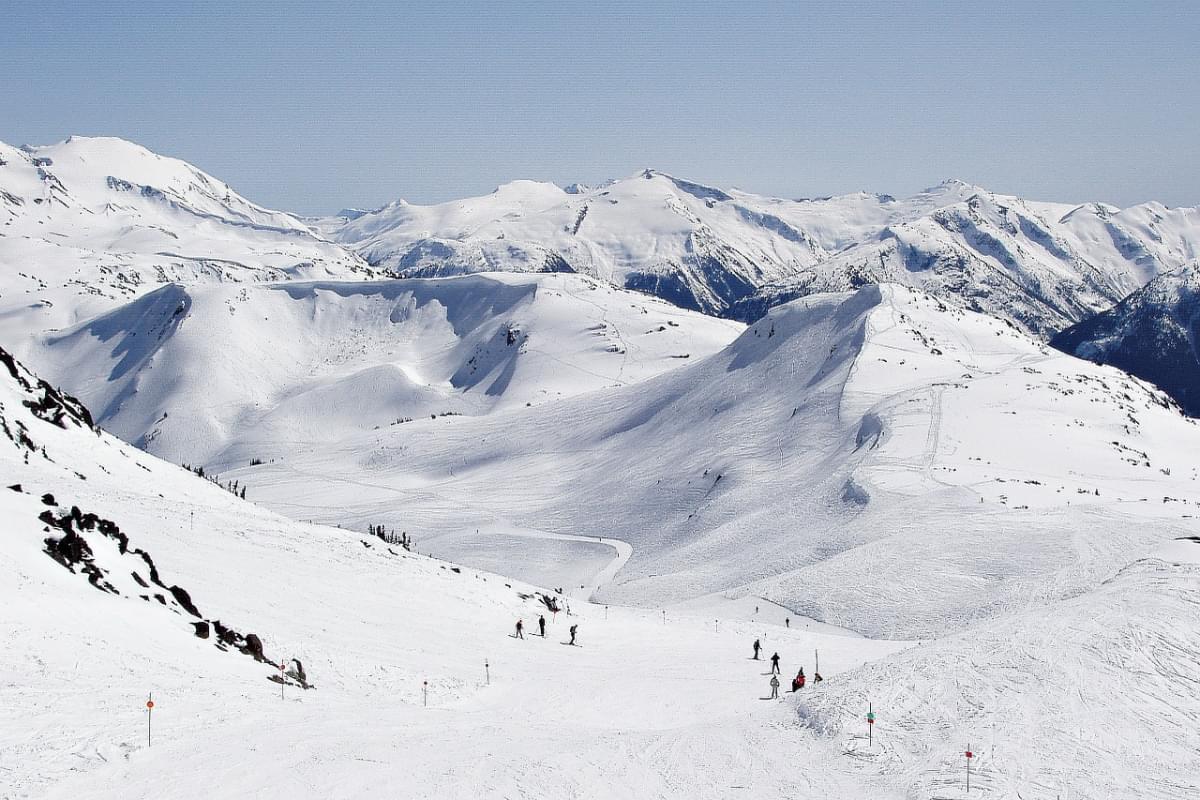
(184, 371)
(91, 222)
(824, 460)
(1153, 334)
(1041, 265)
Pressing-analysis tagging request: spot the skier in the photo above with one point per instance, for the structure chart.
(798, 681)
(775, 664)
(520, 629)
(817, 678)
(787, 622)
(542, 625)
(774, 687)
(573, 627)
(757, 647)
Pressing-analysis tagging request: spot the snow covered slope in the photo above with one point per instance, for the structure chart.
(843, 456)
(90, 222)
(1090, 697)
(726, 252)
(184, 371)
(115, 564)
(1153, 334)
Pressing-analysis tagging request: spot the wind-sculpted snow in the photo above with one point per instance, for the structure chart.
(187, 373)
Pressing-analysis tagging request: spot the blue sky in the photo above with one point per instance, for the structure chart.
(315, 106)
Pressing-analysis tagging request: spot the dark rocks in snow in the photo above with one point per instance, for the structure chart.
(72, 550)
(253, 646)
(46, 402)
(184, 599)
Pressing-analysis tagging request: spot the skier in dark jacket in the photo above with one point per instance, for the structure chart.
(520, 629)
(573, 628)
(542, 625)
(775, 663)
(757, 647)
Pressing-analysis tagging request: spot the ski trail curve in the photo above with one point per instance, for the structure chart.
(602, 578)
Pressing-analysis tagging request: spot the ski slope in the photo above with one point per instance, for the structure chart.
(419, 690)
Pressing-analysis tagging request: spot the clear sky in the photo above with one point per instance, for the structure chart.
(315, 106)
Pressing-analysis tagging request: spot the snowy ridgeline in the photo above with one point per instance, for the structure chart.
(727, 252)
(419, 690)
(89, 223)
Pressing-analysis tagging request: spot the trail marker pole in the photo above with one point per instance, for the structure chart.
(817, 657)
(970, 755)
(425, 693)
(870, 725)
(487, 672)
(664, 616)
(149, 714)
(282, 679)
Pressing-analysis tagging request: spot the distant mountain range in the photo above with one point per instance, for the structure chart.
(1042, 266)
(90, 223)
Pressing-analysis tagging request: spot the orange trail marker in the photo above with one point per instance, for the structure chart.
(149, 714)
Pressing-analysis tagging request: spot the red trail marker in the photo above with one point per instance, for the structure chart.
(149, 714)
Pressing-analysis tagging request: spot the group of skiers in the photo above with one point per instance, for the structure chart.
(797, 682)
(520, 632)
